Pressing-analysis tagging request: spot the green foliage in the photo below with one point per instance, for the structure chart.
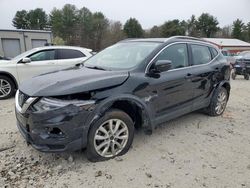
(192, 27)
(37, 19)
(207, 25)
(238, 28)
(20, 20)
(81, 27)
(56, 22)
(173, 28)
(133, 28)
(34, 19)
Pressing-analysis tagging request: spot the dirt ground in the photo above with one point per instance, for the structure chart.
(192, 151)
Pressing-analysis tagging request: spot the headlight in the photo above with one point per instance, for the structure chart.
(45, 104)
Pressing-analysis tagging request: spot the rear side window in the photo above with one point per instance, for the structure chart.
(201, 54)
(69, 54)
(214, 52)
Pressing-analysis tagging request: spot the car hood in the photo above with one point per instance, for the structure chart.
(71, 81)
(4, 62)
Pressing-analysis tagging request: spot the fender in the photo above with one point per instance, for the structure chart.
(11, 76)
(104, 105)
(225, 83)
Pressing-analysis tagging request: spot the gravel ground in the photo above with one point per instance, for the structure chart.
(192, 151)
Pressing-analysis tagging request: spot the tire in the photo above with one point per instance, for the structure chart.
(7, 87)
(233, 75)
(97, 136)
(212, 109)
(246, 76)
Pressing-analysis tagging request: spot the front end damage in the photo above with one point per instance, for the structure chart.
(54, 130)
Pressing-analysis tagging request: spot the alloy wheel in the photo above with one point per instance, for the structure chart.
(5, 88)
(111, 138)
(221, 102)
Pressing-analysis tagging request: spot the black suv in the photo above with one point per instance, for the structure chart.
(134, 83)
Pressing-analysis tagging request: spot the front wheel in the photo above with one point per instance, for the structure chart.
(218, 103)
(111, 136)
(7, 87)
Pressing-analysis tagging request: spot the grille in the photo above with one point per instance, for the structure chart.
(22, 98)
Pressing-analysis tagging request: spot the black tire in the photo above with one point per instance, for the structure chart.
(12, 87)
(233, 75)
(246, 76)
(211, 109)
(92, 153)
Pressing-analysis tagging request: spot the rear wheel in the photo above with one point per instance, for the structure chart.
(233, 74)
(111, 136)
(246, 76)
(218, 103)
(7, 87)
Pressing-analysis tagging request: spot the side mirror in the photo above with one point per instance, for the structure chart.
(162, 66)
(26, 60)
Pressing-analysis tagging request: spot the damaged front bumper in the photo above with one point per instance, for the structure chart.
(58, 130)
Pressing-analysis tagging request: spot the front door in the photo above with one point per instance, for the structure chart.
(172, 90)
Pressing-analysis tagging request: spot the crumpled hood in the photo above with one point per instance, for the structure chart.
(71, 81)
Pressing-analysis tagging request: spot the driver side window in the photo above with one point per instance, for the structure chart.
(43, 55)
(177, 54)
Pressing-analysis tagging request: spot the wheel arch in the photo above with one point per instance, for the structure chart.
(132, 105)
(3, 73)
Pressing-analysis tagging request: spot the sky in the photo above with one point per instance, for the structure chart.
(148, 12)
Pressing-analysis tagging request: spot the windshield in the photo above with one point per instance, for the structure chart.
(122, 55)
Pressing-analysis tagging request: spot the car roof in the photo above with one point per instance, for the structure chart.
(164, 40)
(63, 47)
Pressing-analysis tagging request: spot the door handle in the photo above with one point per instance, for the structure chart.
(189, 75)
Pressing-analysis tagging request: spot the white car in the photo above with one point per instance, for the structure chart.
(35, 62)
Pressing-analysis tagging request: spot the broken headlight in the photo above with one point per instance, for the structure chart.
(45, 104)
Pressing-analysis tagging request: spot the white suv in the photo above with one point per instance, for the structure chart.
(35, 62)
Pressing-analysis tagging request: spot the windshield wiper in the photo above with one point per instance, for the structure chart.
(95, 67)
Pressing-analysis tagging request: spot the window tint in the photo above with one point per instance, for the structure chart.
(69, 54)
(201, 54)
(214, 52)
(43, 55)
(177, 54)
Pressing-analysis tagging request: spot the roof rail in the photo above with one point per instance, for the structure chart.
(187, 37)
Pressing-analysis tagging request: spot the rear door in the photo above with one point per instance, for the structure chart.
(69, 57)
(202, 73)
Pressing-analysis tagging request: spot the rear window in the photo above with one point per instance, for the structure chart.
(69, 54)
(201, 54)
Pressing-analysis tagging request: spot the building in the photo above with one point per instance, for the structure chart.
(15, 42)
(232, 45)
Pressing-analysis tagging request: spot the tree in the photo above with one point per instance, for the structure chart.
(155, 32)
(192, 27)
(238, 27)
(173, 28)
(85, 22)
(20, 20)
(100, 24)
(37, 19)
(69, 22)
(114, 33)
(133, 28)
(56, 22)
(207, 25)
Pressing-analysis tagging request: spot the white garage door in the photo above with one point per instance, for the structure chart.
(11, 47)
(38, 42)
